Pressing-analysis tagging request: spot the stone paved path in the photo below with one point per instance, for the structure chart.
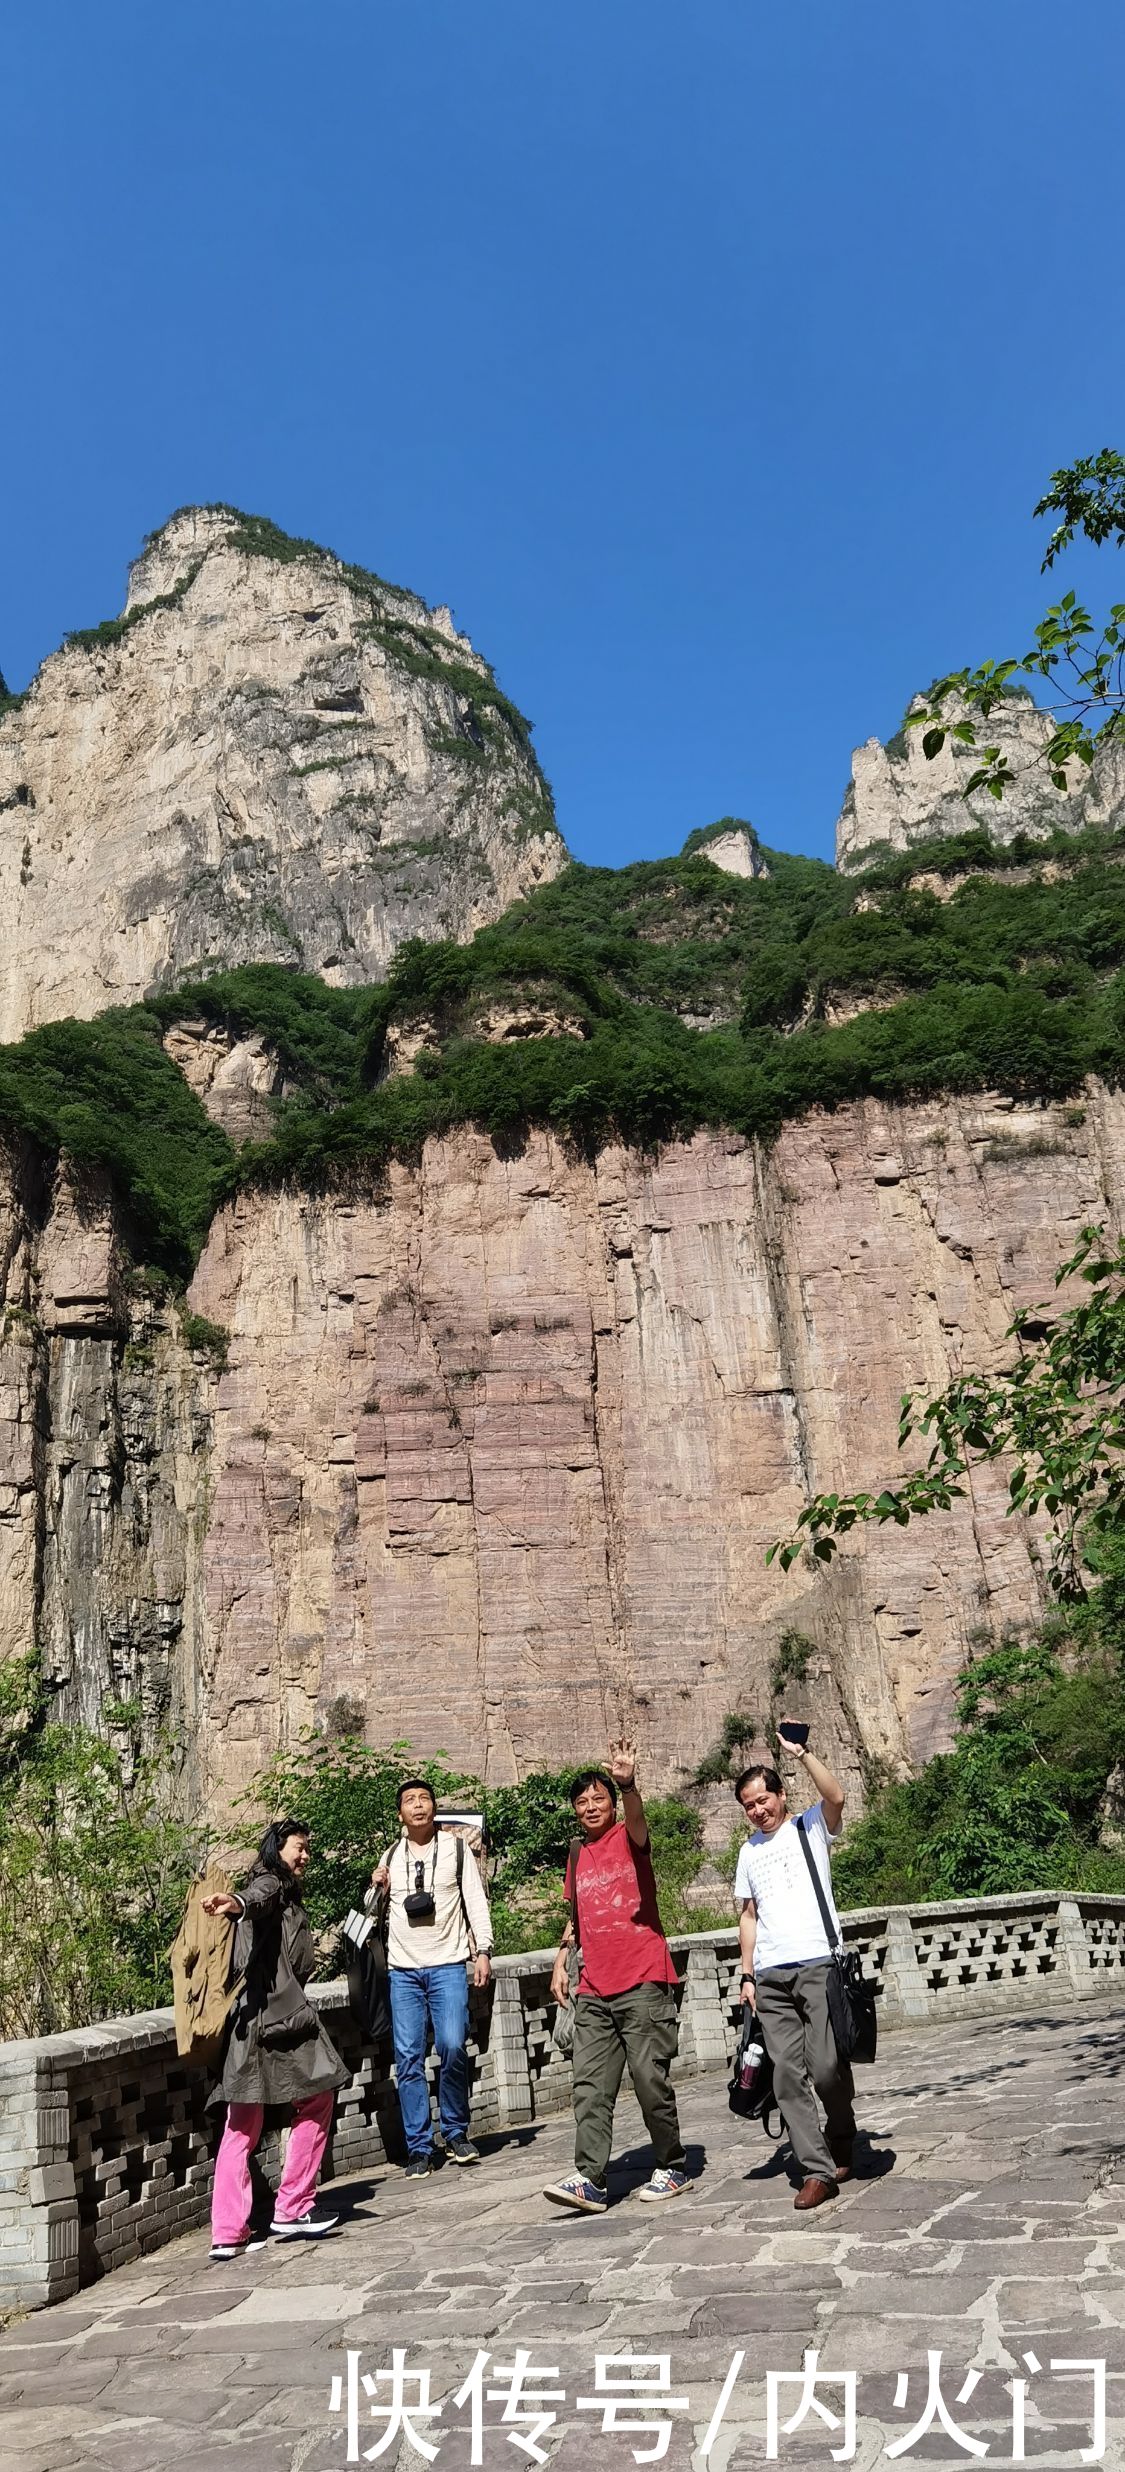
(990, 2222)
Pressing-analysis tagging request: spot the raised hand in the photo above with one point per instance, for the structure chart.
(623, 1762)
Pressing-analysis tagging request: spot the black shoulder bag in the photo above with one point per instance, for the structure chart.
(562, 2031)
(365, 1964)
(851, 1998)
(751, 2091)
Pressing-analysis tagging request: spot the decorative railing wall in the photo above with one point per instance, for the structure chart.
(106, 2142)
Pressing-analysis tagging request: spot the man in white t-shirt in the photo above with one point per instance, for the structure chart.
(785, 1958)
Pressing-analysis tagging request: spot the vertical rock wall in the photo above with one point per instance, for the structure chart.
(499, 1449)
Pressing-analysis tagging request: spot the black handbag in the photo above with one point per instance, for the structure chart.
(751, 2091)
(851, 1998)
(365, 1964)
(299, 2025)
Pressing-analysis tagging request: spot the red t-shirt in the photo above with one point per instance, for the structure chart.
(619, 1924)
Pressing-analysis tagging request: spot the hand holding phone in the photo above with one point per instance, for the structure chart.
(793, 1735)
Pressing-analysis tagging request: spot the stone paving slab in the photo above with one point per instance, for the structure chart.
(989, 2221)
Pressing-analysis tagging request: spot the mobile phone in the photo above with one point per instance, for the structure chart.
(798, 1734)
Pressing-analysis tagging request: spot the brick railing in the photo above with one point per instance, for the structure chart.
(106, 2143)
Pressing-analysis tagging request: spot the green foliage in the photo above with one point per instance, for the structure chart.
(1058, 1410)
(1017, 987)
(316, 1032)
(1009, 985)
(1016, 1804)
(345, 1793)
(676, 1838)
(94, 1867)
(424, 653)
(530, 1826)
(1084, 667)
(22, 1706)
(105, 1093)
(777, 984)
(1090, 497)
(209, 1337)
(736, 1732)
(704, 833)
(791, 1662)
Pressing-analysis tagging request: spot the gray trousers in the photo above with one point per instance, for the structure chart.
(797, 2031)
(639, 2027)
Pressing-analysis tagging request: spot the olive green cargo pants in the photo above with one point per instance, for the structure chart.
(640, 2028)
(793, 2016)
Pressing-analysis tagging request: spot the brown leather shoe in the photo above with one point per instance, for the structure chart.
(843, 2171)
(815, 2193)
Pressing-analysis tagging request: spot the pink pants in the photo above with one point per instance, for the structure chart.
(231, 2195)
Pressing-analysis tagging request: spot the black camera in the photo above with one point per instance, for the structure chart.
(419, 1907)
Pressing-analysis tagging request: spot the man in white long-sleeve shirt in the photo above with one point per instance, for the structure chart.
(437, 1900)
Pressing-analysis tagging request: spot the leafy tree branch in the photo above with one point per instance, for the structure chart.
(1083, 666)
(1058, 1409)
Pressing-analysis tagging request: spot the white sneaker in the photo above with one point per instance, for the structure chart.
(222, 2250)
(310, 2226)
(584, 2195)
(664, 2184)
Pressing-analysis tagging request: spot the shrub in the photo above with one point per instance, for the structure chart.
(345, 1792)
(1016, 1804)
(209, 1338)
(95, 1859)
(738, 1730)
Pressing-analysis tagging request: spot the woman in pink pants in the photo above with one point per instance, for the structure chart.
(277, 2050)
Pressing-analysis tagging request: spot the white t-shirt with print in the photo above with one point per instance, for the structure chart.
(773, 1871)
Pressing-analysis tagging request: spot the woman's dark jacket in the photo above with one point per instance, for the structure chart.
(277, 2050)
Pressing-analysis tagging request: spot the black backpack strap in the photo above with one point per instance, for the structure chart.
(576, 1845)
(459, 1859)
(832, 1937)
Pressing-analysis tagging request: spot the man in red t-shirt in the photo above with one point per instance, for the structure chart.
(624, 2007)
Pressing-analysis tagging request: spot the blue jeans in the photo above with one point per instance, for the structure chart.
(441, 1995)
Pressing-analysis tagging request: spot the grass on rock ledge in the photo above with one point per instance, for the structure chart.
(1009, 985)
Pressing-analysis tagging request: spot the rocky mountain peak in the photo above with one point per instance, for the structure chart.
(272, 755)
(897, 797)
(732, 845)
(187, 538)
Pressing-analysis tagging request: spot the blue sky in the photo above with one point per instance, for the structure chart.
(707, 360)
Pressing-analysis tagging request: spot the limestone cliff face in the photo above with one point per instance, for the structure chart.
(896, 797)
(498, 1451)
(275, 759)
(105, 1436)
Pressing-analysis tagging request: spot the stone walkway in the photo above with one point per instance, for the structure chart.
(988, 2224)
